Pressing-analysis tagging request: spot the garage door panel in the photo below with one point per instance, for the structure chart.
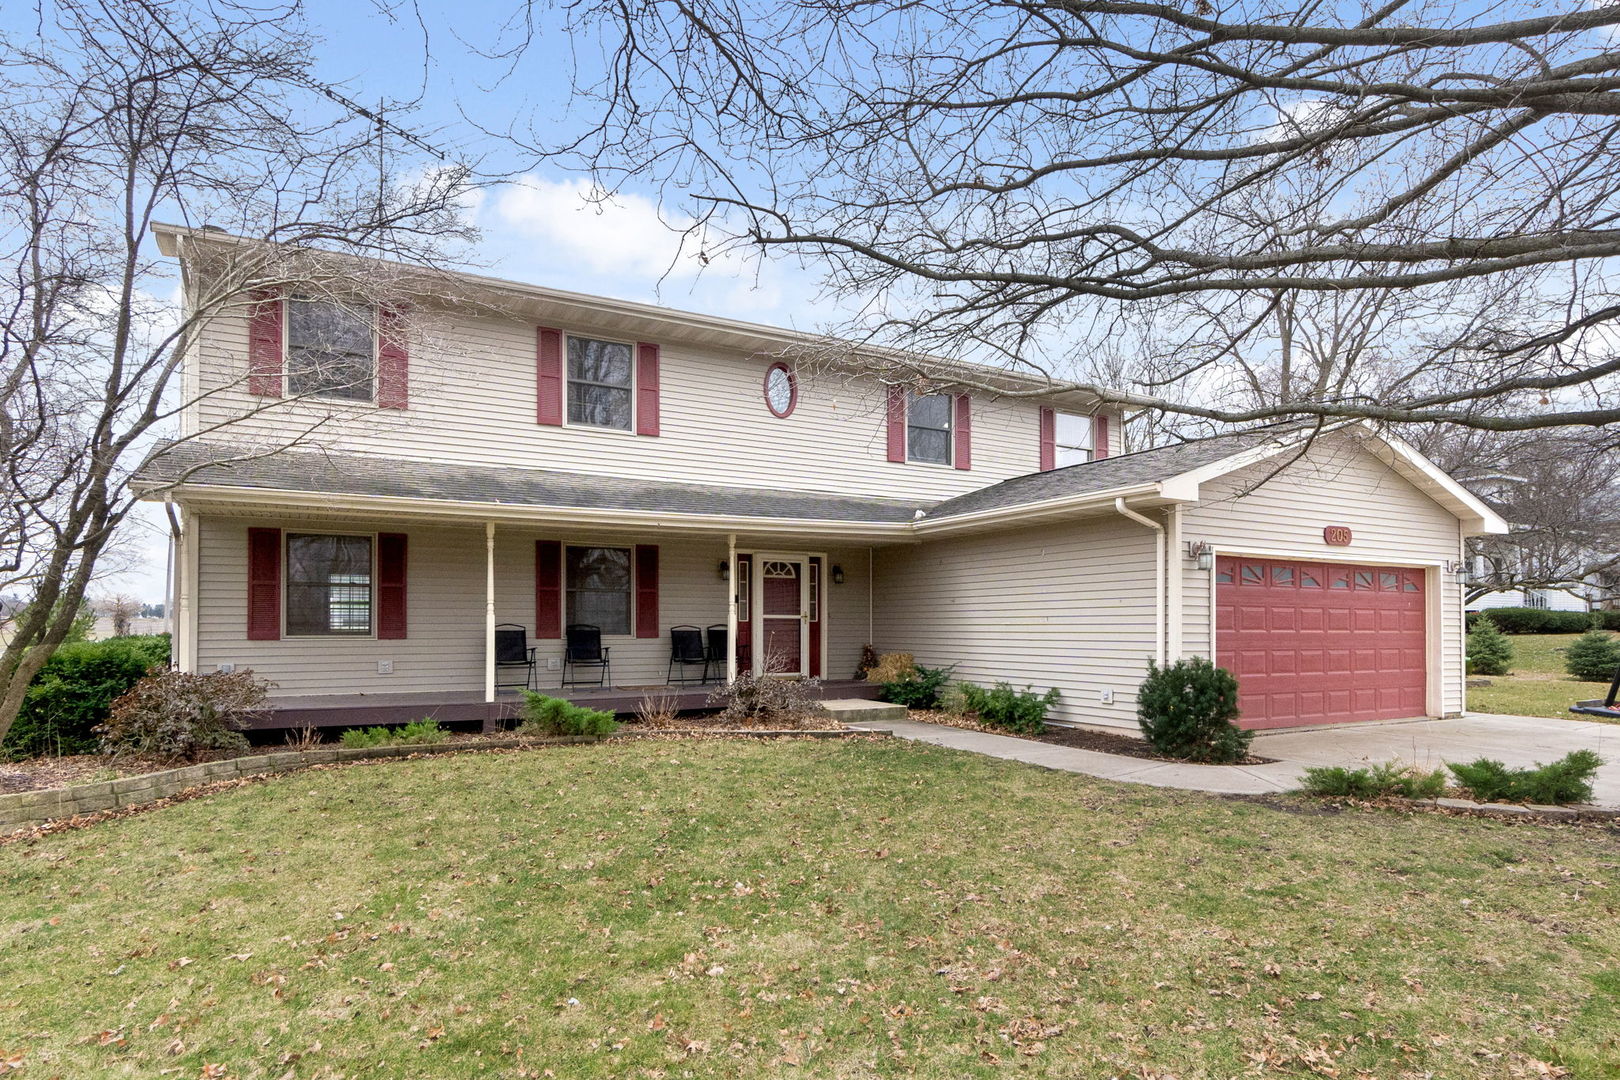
(1318, 643)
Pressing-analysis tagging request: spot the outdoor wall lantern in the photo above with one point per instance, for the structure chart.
(838, 575)
(1201, 553)
(725, 570)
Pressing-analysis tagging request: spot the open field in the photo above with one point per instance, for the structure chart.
(1538, 685)
(851, 909)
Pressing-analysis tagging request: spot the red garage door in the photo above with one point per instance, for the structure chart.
(1314, 643)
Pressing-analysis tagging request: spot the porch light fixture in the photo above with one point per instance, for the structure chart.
(1201, 553)
(838, 575)
(725, 570)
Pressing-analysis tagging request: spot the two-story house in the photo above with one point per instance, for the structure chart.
(366, 497)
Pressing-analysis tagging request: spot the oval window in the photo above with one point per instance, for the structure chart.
(781, 389)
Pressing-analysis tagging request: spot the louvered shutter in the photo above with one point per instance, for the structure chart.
(647, 364)
(548, 598)
(264, 584)
(647, 590)
(897, 423)
(265, 349)
(1048, 439)
(548, 375)
(1099, 437)
(962, 437)
(393, 361)
(391, 586)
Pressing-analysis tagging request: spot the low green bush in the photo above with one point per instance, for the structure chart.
(1375, 781)
(1189, 710)
(1527, 620)
(918, 690)
(1490, 652)
(75, 690)
(544, 715)
(1593, 657)
(417, 733)
(1022, 711)
(1567, 780)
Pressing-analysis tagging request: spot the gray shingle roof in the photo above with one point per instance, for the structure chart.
(1123, 470)
(203, 464)
(354, 474)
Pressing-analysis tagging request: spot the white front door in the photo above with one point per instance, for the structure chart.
(782, 629)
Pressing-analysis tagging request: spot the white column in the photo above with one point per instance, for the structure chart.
(489, 611)
(187, 572)
(731, 608)
(1173, 605)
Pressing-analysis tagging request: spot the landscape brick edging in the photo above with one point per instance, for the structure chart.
(24, 809)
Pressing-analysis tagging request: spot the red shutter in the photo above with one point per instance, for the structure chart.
(820, 579)
(646, 590)
(393, 362)
(743, 584)
(390, 586)
(1048, 439)
(962, 437)
(548, 617)
(646, 388)
(264, 585)
(264, 344)
(548, 375)
(1099, 437)
(897, 423)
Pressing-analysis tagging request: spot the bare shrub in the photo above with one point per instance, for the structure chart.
(306, 736)
(892, 667)
(768, 699)
(658, 710)
(179, 715)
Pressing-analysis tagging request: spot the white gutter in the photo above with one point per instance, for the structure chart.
(1158, 575)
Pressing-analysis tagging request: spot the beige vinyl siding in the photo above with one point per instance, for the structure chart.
(1335, 483)
(472, 401)
(1070, 606)
(445, 597)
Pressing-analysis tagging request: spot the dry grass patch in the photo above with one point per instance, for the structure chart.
(848, 909)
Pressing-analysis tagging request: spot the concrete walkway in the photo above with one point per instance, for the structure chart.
(1516, 740)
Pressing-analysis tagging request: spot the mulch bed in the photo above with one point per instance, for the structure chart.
(1105, 742)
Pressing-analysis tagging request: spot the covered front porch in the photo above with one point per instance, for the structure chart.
(360, 619)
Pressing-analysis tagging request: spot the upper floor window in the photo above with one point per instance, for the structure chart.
(928, 428)
(331, 350)
(328, 585)
(1072, 440)
(781, 389)
(600, 382)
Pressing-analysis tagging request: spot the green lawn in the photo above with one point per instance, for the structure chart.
(1538, 685)
(728, 909)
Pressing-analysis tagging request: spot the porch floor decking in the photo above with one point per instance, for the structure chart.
(469, 706)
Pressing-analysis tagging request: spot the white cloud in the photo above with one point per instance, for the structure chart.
(622, 234)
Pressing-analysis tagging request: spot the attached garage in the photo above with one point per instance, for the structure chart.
(1321, 643)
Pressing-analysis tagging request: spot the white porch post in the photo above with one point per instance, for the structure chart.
(489, 611)
(1172, 603)
(731, 608)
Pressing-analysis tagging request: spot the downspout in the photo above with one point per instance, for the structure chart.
(1158, 575)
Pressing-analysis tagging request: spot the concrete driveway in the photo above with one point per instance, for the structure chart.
(1516, 740)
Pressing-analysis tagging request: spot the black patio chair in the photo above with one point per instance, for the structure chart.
(512, 650)
(685, 653)
(583, 648)
(715, 655)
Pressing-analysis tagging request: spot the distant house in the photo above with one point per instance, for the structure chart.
(581, 460)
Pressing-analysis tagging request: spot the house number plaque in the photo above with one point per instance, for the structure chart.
(1336, 536)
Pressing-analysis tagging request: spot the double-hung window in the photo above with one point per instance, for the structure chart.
(328, 585)
(600, 382)
(598, 585)
(1073, 439)
(331, 350)
(928, 428)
